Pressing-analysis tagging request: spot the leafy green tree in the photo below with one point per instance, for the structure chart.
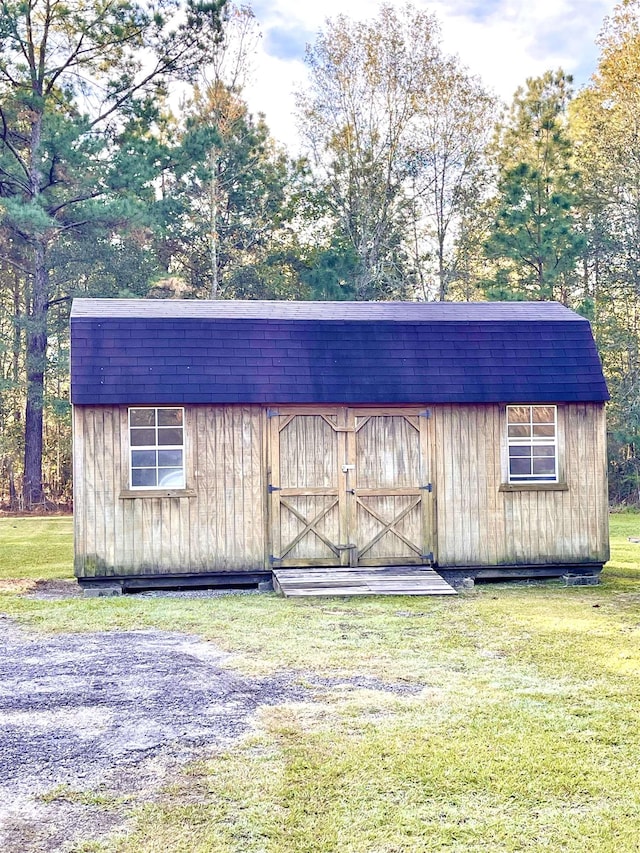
(605, 123)
(447, 145)
(365, 77)
(396, 132)
(72, 76)
(225, 199)
(535, 240)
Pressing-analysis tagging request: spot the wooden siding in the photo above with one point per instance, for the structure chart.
(479, 525)
(216, 524)
(381, 509)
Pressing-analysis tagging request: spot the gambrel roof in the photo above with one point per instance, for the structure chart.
(137, 351)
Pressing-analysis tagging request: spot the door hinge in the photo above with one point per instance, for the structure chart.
(272, 413)
(427, 557)
(427, 488)
(273, 559)
(271, 488)
(425, 414)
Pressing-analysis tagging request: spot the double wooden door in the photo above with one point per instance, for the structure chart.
(349, 487)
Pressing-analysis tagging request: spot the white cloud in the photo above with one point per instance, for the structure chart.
(502, 41)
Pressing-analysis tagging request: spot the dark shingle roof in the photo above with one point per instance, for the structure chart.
(170, 351)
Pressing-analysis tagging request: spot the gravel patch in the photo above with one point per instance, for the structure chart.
(56, 590)
(110, 711)
(92, 723)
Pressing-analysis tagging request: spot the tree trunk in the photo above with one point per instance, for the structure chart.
(213, 223)
(33, 492)
(442, 272)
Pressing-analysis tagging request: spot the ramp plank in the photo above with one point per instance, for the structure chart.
(382, 580)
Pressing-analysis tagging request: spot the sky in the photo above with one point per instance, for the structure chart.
(501, 41)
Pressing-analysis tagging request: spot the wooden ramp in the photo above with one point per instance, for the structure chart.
(383, 580)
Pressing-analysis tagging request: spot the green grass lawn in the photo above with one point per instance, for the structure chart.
(36, 548)
(523, 733)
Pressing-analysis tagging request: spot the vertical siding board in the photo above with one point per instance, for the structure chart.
(134, 520)
(185, 503)
(128, 505)
(591, 480)
(201, 530)
(170, 514)
(109, 485)
(593, 492)
(233, 488)
(481, 518)
(216, 486)
(100, 484)
(267, 544)
(442, 486)
(425, 476)
(454, 511)
(571, 502)
(585, 445)
(79, 492)
(603, 490)
(276, 477)
(199, 539)
(254, 507)
(596, 484)
(239, 485)
(448, 505)
(493, 473)
(463, 469)
(116, 486)
(572, 497)
(90, 489)
(433, 462)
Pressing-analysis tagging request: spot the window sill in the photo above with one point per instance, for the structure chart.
(157, 493)
(534, 487)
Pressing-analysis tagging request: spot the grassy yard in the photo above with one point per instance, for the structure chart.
(516, 728)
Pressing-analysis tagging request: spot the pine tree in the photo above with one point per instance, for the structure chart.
(535, 240)
(72, 75)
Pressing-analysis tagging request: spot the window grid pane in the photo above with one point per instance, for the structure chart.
(156, 439)
(531, 438)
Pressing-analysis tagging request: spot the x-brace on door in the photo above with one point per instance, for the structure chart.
(349, 487)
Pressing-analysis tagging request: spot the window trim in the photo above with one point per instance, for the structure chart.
(155, 490)
(557, 483)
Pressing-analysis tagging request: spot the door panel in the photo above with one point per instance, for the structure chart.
(308, 451)
(387, 452)
(307, 500)
(388, 529)
(310, 527)
(390, 456)
(349, 487)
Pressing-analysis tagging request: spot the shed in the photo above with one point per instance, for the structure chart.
(216, 441)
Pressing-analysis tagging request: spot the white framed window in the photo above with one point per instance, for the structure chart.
(532, 440)
(156, 448)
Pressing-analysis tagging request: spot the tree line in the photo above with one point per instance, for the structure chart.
(130, 165)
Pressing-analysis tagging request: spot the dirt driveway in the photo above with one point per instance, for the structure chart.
(117, 710)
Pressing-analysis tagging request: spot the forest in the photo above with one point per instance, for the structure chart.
(131, 165)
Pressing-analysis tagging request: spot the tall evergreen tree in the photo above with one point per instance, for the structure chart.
(226, 200)
(71, 77)
(605, 122)
(535, 240)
